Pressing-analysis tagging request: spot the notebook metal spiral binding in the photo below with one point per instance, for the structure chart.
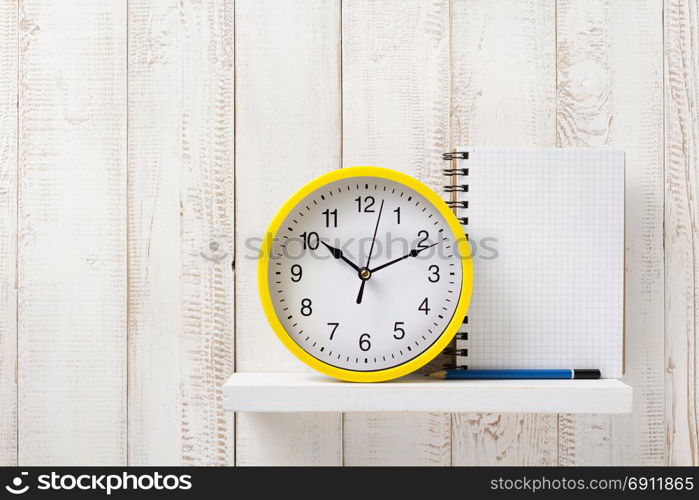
(454, 351)
(456, 175)
(455, 155)
(457, 204)
(455, 171)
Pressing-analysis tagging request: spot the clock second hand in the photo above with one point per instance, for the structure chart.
(364, 273)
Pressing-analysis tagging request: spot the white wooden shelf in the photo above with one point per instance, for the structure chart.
(307, 392)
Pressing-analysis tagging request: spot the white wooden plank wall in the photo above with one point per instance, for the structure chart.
(9, 27)
(154, 246)
(681, 234)
(181, 243)
(207, 229)
(492, 107)
(71, 269)
(126, 268)
(288, 131)
(610, 95)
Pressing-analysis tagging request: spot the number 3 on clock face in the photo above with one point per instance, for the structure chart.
(365, 274)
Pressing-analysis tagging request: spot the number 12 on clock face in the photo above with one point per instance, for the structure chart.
(365, 274)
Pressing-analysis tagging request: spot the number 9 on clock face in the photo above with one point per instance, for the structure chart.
(365, 274)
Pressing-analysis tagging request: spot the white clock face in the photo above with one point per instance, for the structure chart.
(354, 301)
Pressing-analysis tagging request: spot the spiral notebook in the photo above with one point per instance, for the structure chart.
(546, 229)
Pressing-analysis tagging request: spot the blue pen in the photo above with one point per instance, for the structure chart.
(516, 374)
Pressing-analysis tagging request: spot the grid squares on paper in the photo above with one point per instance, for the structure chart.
(547, 229)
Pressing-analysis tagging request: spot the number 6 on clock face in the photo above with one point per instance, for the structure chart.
(365, 274)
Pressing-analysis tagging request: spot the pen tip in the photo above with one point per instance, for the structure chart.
(439, 374)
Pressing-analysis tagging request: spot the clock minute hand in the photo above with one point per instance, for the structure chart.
(413, 253)
(337, 253)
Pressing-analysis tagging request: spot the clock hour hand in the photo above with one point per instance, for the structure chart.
(413, 253)
(337, 253)
(361, 292)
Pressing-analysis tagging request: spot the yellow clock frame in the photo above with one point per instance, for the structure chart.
(377, 375)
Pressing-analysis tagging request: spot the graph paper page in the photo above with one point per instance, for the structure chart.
(547, 227)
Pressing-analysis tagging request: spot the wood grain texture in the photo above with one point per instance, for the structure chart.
(681, 233)
(9, 47)
(287, 133)
(602, 46)
(504, 439)
(286, 439)
(72, 233)
(395, 87)
(584, 113)
(207, 230)
(585, 440)
(180, 213)
(503, 94)
(79, 215)
(154, 263)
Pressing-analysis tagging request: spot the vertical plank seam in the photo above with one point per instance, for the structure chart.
(342, 162)
(341, 78)
(235, 229)
(18, 73)
(664, 132)
(555, 117)
(692, 355)
(127, 266)
(691, 410)
(685, 7)
(555, 110)
(558, 440)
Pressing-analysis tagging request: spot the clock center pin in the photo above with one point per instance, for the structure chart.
(364, 273)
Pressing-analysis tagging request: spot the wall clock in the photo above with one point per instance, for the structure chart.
(364, 274)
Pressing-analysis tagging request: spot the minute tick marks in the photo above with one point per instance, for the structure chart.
(358, 321)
